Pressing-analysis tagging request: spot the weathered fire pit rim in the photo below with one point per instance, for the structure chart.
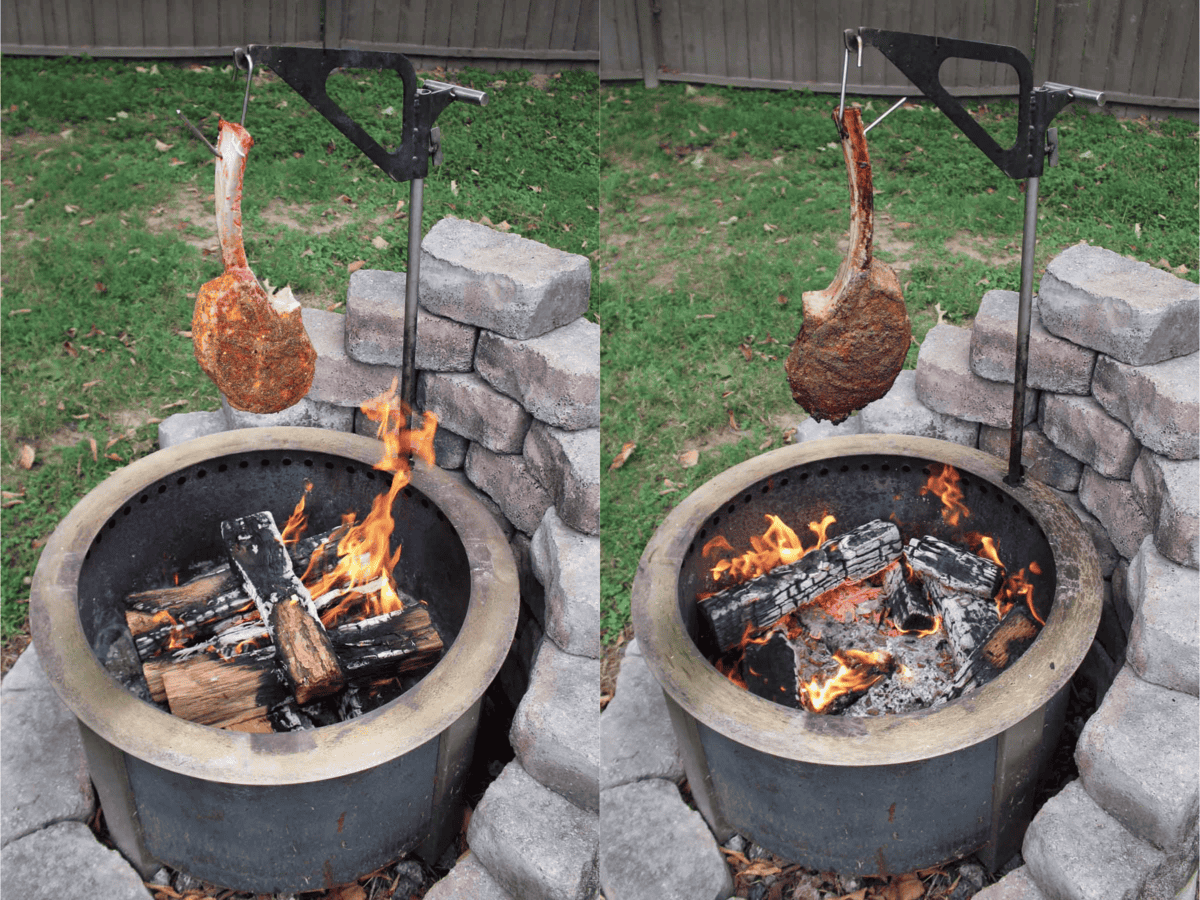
(420, 715)
(693, 683)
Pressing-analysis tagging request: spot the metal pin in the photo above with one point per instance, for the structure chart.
(238, 55)
(858, 40)
(200, 134)
(891, 109)
(842, 96)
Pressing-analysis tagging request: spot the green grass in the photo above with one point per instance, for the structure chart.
(687, 291)
(97, 269)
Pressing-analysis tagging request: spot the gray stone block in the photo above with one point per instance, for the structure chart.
(945, 382)
(506, 479)
(1109, 557)
(1041, 459)
(1113, 502)
(1080, 426)
(449, 449)
(66, 861)
(375, 327)
(1164, 638)
(1054, 364)
(1076, 851)
(1016, 885)
(469, 406)
(183, 427)
(42, 765)
(636, 738)
(568, 564)
(1138, 759)
(556, 731)
(535, 843)
(468, 880)
(555, 376)
(306, 413)
(1159, 403)
(487, 502)
(1169, 491)
(504, 283)
(338, 379)
(655, 848)
(900, 412)
(813, 430)
(567, 465)
(1124, 308)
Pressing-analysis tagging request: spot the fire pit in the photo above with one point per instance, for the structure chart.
(895, 792)
(273, 812)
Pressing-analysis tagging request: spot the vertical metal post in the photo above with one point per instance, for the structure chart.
(408, 371)
(1024, 313)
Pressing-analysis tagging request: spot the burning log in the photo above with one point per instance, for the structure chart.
(858, 672)
(960, 586)
(763, 601)
(256, 549)
(769, 669)
(906, 604)
(1008, 640)
(395, 642)
(200, 590)
(233, 693)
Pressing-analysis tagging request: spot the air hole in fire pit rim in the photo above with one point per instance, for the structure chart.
(143, 498)
(181, 480)
(127, 510)
(286, 461)
(265, 463)
(202, 473)
(244, 464)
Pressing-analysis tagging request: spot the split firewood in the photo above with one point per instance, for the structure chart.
(856, 333)
(906, 604)
(253, 346)
(390, 644)
(199, 591)
(156, 633)
(761, 602)
(1008, 640)
(769, 670)
(233, 693)
(959, 586)
(257, 552)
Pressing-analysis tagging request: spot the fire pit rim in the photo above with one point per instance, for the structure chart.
(696, 686)
(420, 715)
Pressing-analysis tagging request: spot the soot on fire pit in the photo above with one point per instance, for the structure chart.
(864, 623)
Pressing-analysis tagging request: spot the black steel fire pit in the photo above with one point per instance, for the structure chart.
(896, 792)
(273, 812)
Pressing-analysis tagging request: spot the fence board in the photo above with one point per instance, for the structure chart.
(541, 25)
(1180, 23)
(462, 23)
(1125, 46)
(514, 23)
(487, 24)
(737, 61)
(566, 21)
(10, 30)
(29, 22)
(587, 35)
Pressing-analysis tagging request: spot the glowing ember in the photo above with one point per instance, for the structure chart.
(944, 485)
(858, 671)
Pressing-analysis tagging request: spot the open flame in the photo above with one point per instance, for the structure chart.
(777, 546)
(858, 670)
(944, 485)
(365, 559)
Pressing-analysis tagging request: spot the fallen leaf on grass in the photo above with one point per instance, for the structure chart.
(767, 443)
(379, 243)
(733, 425)
(95, 453)
(113, 457)
(746, 352)
(729, 221)
(789, 436)
(10, 498)
(760, 868)
(356, 265)
(619, 460)
(183, 334)
(161, 147)
(706, 316)
(82, 416)
(88, 221)
(71, 209)
(101, 287)
(112, 443)
(454, 187)
(689, 458)
(735, 856)
(173, 405)
(669, 487)
(20, 312)
(176, 161)
(25, 458)
(769, 227)
(535, 189)
(88, 385)
(781, 300)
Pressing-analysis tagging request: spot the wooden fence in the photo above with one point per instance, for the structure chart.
(534, 34)
(1140, 52)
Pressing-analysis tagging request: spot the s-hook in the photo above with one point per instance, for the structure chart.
(238, 56)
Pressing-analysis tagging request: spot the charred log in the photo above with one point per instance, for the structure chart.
(395, 642)
(959, 586)
(769, 669)
(907, 607)
(1008, 640)
(761, 602)
(257, 552)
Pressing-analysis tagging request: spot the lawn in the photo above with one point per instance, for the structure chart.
(720, 207)
(108, 232)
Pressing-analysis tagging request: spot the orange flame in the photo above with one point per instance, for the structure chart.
(944, 485)
(364, 552)
(298, 521)
(858, 670)
(988, 549)
(777, 546)
(1018, 589)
